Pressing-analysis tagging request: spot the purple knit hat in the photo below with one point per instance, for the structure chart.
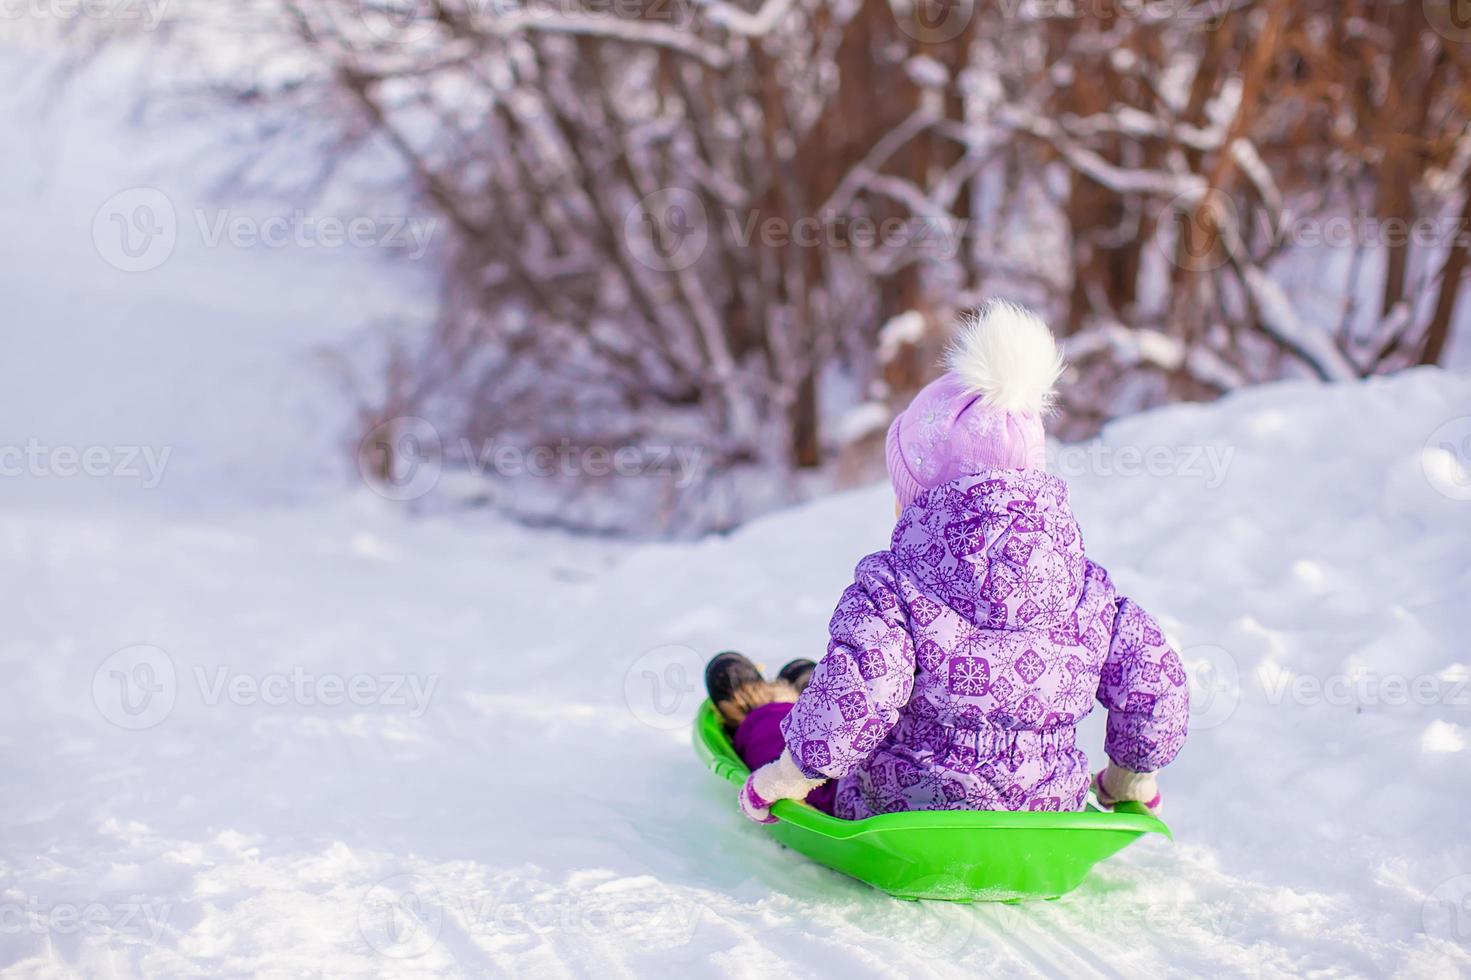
(985, 412)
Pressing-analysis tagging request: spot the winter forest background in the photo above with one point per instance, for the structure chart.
(730, 239)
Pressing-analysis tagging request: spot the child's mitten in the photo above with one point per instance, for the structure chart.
(779, 780)
(1116, 784)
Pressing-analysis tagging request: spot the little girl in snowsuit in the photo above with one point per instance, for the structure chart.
(963, 657)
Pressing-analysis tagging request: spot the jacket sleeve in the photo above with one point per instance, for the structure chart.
(853, 699)
(1144, 687)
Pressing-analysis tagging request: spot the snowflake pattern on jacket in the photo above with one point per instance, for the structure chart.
(962, 659)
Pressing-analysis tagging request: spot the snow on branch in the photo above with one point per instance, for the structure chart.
(1280, 319)
(1122, 180)
(1128, 345)
(738, 21)
(1244, 152)
(1129, 121)
(668, 36)
(886, 146)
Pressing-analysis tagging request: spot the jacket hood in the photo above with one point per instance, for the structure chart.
(1001, 548)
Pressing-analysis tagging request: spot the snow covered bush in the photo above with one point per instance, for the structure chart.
(689, 220)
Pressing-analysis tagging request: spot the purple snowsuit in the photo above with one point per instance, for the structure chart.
(961, 659)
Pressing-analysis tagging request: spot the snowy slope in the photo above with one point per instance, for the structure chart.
(255, 720)
(516, 795)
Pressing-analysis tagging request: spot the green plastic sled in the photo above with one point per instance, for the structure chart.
(946, 855)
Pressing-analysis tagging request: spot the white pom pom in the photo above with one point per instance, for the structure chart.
(1006, 355)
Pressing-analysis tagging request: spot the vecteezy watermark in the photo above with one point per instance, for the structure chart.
(938, 21)
(934, 931)
(402, 458)
(669, 230)
(1446, 458)
(535, 909)
(412, 21)
(938, 235)
(299, 686)
(146, 15)
(138, 229)
(300, 230)
(39, 918)
(566, 459)
(1363, 229)
(1125, 917)
(396, 21)
(403, 915)
(1208, 464)
(1446, 914)
(37, 459)
(138, 687)
(135, 687)
(1202, 232)
(1199, 232)
(662, 686)
(935, 21)
(1215, 684)
(1451, 19)
(1367, 687)
(1208, 12)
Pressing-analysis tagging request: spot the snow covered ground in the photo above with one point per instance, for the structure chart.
(323, 738)
(256, 720)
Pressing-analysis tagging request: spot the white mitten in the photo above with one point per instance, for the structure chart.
(1116, 784)
(779, 780)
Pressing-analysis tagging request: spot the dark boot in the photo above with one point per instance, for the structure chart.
(736, 687)
(797, 673)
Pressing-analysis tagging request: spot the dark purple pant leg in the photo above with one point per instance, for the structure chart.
(758, 741)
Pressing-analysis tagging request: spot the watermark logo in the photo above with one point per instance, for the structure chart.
(663, 686)
(1215, 684)
(299, 686)
(300, 229)
(681, 462)
(135, 688)
(1451, 19)
(397, 21)
(145, 15)
(1199, 233)
(138, 686)
(935, 21)
(1446, 913)
(1122, 917)
(136, 230)
(934, 930)
(670, 229)
(667, 231)
(1209, 13)
(937, 235)
(408, 22)
(36, 459)
(401, 916)
(1446, 459)
(401, 458)
(1208, 464)
(143, 920)
(1364, 687)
